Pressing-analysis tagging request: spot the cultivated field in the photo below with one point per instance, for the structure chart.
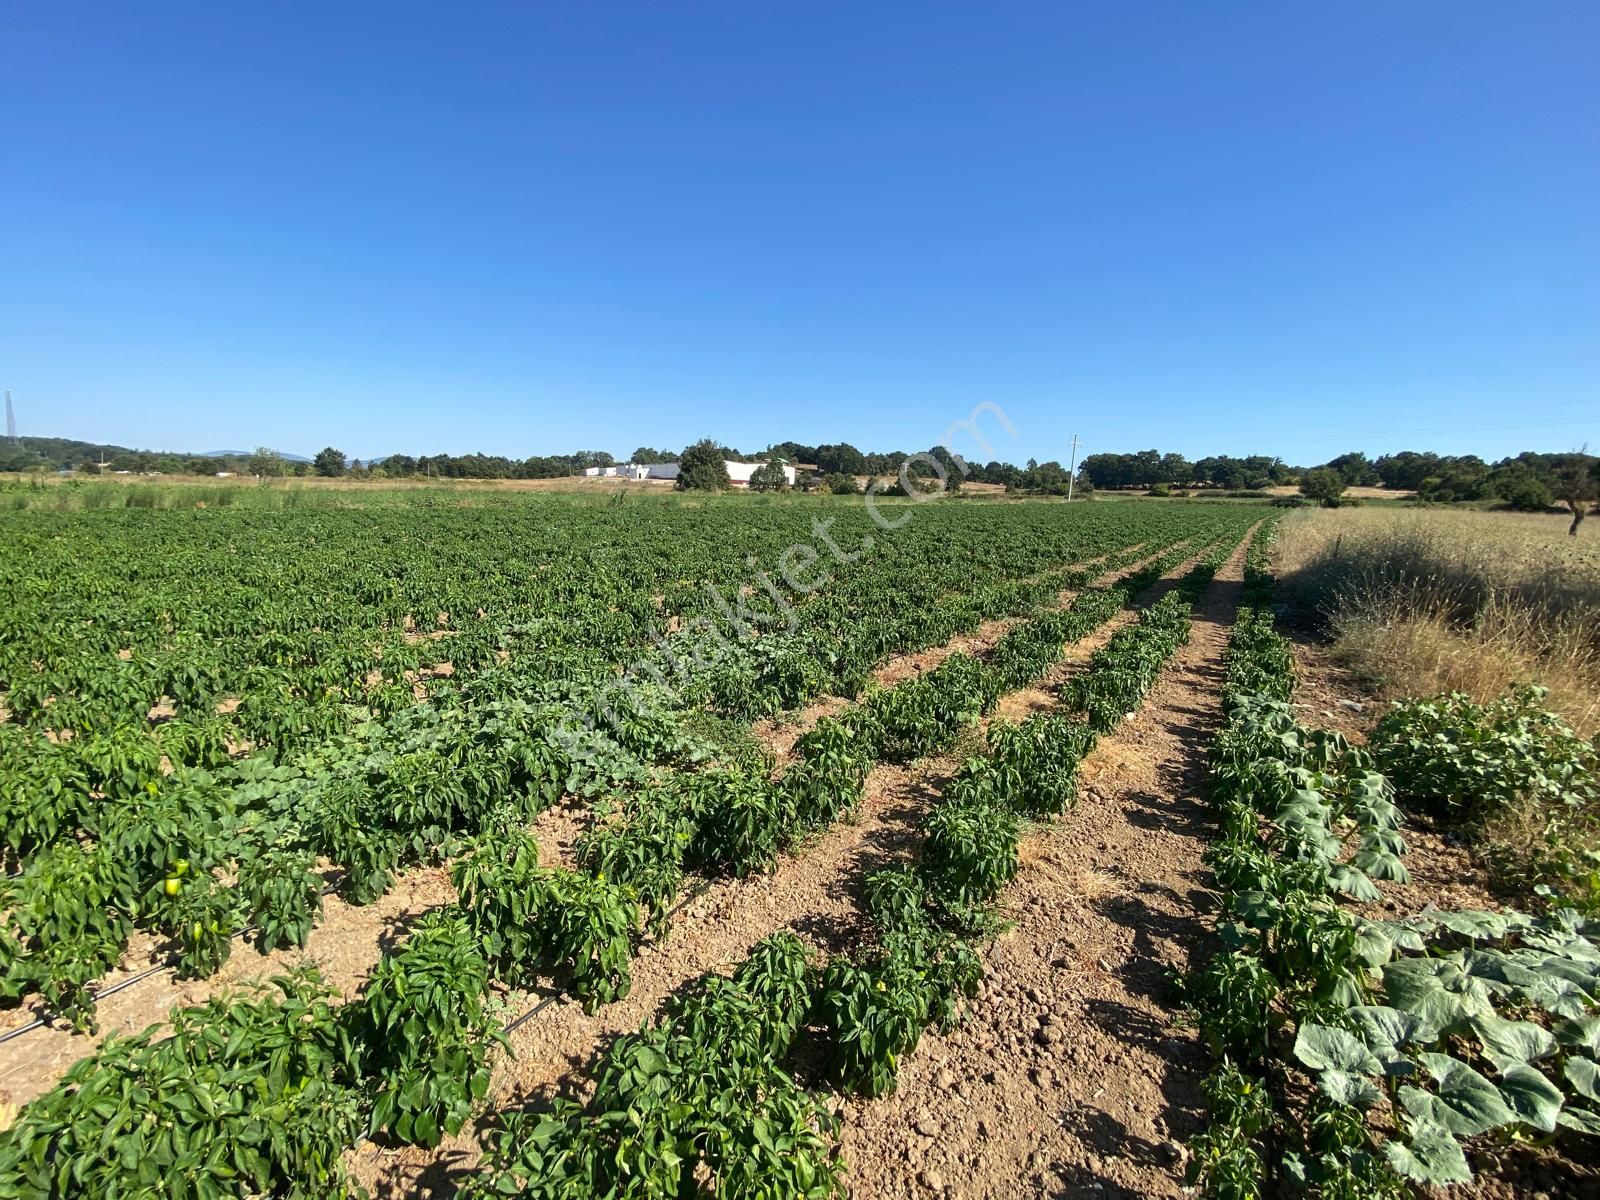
(762, 847)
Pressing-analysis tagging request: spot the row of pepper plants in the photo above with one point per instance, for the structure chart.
(111, 839)
(710, 1096)
(1360, 1057)
(198, 854)
(413, 1050)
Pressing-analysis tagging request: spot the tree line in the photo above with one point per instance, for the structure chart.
(1530, 481)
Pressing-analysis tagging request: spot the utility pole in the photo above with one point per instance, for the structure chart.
(1072, 471)
(11, 420)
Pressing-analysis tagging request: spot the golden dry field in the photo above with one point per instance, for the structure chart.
(1428, 600)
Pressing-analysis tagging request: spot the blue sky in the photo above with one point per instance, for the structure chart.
(527, 228)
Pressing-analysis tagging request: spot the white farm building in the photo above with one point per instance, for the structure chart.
(738, 472)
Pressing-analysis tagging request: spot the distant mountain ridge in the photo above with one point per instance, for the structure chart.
(236, 454)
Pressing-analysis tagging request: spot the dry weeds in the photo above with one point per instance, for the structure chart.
(1422, 601)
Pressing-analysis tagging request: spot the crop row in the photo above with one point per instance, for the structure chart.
(156, 852)
(709, 1099)
(302, 622)
(1416, 1033)
(409, 1058)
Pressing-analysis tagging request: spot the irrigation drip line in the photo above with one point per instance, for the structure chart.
(148, 972)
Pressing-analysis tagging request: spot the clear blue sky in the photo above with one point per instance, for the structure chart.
(528, 228)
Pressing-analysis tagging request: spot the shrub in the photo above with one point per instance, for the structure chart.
(702, 468)
(425, 1033)
(1458, 760)
(1323, 485)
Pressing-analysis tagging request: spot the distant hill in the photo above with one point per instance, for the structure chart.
(32, 452)
(237, 454)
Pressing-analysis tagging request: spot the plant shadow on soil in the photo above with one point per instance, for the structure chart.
(1092, 1127)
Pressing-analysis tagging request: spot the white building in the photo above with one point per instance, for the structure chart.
(738, 472)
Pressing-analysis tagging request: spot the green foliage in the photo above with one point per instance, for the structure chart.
(698, 1096)
(1035, 763)
(282, 893)
(329, 461)
(347, 826)
(1462, 761)
(739, 820)
(68, 917)
(201, 916)
(1125, 668)
(642, 849)
(827, 782)
(701, 468)
(875, 1009)
(1225, 1158)
(424, 1032)
(970, 849)
(1324, 486)
(769, 477)
(529, 920)
(284, 658)
(244, 1098)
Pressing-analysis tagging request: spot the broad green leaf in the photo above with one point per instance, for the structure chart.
(1434, 990)
(1466, 1103)
(1506, 1043)
(1324, 1048)
(1584, 1120)
(1559, 997)
(1431, 1157)
(1353, 882)
(1385, 1030)
(1343, 1087)
(1584, 1076)
(1374, 947)
(1531, 1096)
(1583, 1032)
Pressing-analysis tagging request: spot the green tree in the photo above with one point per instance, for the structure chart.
(841, 484)
(701, 468)
(267, 462)
(1576, 486)
(1323, 485)
(769, 478)
(329, 462)
(841, 459)
(1355, 469)
(1520, 488)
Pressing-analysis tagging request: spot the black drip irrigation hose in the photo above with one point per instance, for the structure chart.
(551, 998)
(149, 972)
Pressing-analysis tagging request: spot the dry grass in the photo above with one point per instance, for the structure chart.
(1428, 600)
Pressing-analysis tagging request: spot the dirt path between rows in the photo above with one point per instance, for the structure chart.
(779, 734)
(816, 893)
(1070, 1079)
